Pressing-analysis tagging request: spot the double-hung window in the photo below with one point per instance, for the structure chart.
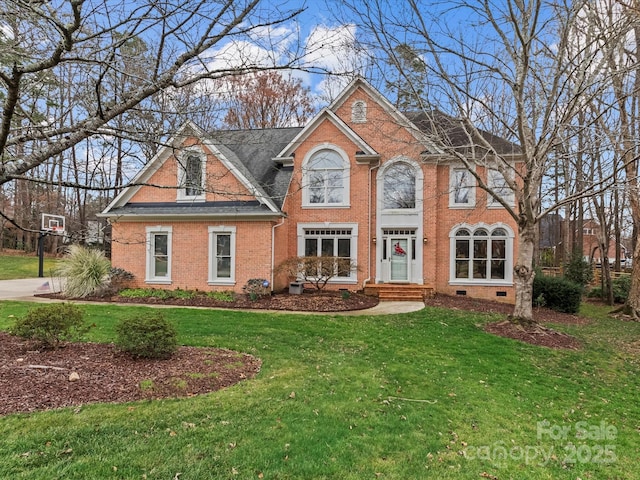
(462, 188)
(497, 183)
(158, 255)
(222, 255)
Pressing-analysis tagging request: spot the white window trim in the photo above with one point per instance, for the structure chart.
(346, 178)
(149, 270)
(491, 201)
(301, 227)
(213, 279)
(181, 172)
(508, 267)
(419, 187)
(472, 187)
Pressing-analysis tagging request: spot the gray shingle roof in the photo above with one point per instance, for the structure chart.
(449, 131)
(254, 150)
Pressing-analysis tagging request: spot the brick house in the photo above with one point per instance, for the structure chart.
(360, 181)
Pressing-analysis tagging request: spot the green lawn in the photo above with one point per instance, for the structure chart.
(412, 396)
(13, 266)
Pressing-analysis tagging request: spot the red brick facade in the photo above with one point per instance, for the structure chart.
(371, 143)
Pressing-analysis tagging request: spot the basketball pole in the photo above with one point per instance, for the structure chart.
(41, 254)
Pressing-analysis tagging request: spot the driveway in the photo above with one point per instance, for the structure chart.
(24, 288)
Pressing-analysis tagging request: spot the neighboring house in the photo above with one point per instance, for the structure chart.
(361, 181)
(591, 248)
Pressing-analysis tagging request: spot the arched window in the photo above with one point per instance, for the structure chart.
(191, 175)
(482, 254)
(326, 179)
(399, 189)
(359, 112)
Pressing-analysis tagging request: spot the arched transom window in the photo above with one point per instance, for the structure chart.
(326, 179)
(482, 254)
(399, 189)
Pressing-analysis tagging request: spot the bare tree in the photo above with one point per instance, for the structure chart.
(517, 69)
(267, 100)
(101, 44)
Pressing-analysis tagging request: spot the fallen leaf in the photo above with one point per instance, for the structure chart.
(292, 395)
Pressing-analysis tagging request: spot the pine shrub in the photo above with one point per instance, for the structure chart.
(147, 336)
(558, 294)
(51, 324)
(86, 271)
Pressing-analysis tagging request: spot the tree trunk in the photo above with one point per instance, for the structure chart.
(524, 275)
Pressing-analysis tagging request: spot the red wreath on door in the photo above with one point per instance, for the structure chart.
(398, 249)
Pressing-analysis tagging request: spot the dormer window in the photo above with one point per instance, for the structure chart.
(359, 112)
(191, 168)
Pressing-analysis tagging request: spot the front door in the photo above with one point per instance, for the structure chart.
(398, 255)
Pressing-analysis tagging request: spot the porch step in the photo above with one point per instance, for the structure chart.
(397, 292)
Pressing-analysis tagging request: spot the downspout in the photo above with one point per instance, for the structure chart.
(273, 248)
(364, 282)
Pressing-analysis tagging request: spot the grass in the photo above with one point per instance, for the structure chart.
(14, 266)
(411, 396)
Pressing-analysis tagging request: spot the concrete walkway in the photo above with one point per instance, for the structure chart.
(24, 290)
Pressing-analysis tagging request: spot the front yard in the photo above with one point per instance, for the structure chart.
(421, 395)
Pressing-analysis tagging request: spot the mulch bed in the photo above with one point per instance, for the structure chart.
(33, 379)
(309, 301)
(536, 334)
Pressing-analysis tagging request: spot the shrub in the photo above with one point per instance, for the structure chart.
(147, 336)
(558, 294)
(85, 270)
(51, 324)
(621, 287)
(578, 270)
(257, 287)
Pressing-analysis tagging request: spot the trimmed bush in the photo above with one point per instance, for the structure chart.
(147, 336)
(86, 272)
(51, 324)
(558, 294)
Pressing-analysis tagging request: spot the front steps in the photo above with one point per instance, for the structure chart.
(399, 292)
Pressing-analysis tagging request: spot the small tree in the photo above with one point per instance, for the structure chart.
(317, 270)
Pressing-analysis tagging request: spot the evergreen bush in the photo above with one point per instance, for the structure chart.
(51, 324)
(558, 294)
(147, 336)
(578, 270)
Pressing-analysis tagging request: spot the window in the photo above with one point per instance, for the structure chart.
(482, 255)
(359, 112)
(326, 179)
(222, 255)
(399, 190)
(332, 240)
(497, 183)
(158, 255)
(462, 191)
(190, 177)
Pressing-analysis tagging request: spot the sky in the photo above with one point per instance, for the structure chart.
(324, 43)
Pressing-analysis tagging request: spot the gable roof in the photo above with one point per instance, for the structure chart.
(248, 156)
(328, 115)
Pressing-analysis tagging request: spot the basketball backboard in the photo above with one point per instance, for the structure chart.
(52, 223)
